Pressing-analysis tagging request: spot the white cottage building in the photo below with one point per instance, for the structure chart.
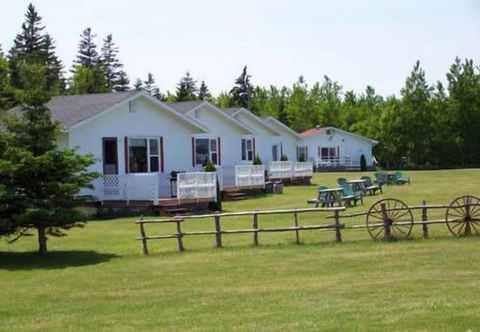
(330, 147)
(138, 141)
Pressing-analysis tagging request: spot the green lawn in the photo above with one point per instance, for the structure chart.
(96, 278)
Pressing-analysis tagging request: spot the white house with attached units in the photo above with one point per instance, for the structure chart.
(147, 150)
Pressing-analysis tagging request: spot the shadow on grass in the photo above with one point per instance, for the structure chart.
(15, 261)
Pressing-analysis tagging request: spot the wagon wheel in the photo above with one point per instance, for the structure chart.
(463, 216)
(389, 219)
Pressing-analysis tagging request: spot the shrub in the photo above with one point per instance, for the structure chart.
(209, 167)
(363, 163)
(257, 160)
(284, 157)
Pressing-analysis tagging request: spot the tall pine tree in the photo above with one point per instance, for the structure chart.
(87, 55)
(33, 46)
(187, 88)
(242, 92)
(116, 78)
(203, 92)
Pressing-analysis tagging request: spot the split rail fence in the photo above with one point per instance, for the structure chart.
(387, 219)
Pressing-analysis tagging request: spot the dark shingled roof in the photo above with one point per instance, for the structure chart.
(70, 110)
(185, 106)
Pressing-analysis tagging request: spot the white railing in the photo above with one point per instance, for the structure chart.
(280, 169)
(197, 185)
(346, 162)
(303, 169)
(249, 175)
(143, 187)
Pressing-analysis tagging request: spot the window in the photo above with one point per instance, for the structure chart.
(275, 153)
(206, 149)
(143, 155)
(302, 153)
(247, 149)
(328, 153)
(110, 155)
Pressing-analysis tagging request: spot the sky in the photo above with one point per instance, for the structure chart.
(355, 42)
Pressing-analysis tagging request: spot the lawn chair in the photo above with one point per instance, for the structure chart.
(349, 196)
(341, 181)
(322, 198)
(401, 179)
(370, 187)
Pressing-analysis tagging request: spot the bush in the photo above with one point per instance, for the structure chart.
(284, 157)
(257, 160)
(363, 163)
(209, 167)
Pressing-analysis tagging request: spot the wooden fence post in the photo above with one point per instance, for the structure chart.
(386, 223)
(338, 233)
(297, 235)
(424, 220)
(255, 226)
(179, 234)
(144, 237)
(218, 230)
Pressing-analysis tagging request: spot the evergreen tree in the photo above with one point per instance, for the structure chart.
(6, 93)
(116, 78)
(416, 116)
(187, 88)
(242, 92)
(138, 85)
(123, 83)
(87, 55)
(464, 107)
(204, 93)
(149, 85)
(54, 67)
(39, 183)
(33, 46)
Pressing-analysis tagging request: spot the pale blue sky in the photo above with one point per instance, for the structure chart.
(354, 42)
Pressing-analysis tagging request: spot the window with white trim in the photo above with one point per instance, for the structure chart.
(206, 149)
(302, 153)
(143, 155)
(247, 149)
(327, 153)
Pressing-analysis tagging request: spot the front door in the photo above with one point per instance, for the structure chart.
(110, 155)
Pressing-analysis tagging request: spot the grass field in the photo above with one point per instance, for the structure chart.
(96, 278)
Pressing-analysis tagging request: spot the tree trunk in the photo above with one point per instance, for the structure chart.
(42, 241)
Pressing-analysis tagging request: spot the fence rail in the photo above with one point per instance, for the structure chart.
(386, 219)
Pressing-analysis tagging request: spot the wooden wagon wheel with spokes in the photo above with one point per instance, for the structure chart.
(463, 216)
(389, 219)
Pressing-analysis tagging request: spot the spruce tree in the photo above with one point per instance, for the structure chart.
(116, 78)
(6, 92)
(87, 55)
(39, 183)
(149, 85)
(33, 46)
(203, 92)
(187, 88)
(242, 92)
(138, 85)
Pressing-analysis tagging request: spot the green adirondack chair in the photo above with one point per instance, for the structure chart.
(381, 178)
(400, 178)
(341, 181)
(349, 196)
(370, 187)
(322, 198)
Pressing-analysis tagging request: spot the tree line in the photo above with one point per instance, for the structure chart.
(426, 126)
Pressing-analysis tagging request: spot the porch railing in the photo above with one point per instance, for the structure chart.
(249, 176)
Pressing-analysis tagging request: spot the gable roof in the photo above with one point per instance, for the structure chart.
(323, 131)
(234, 111)
(74, 110)
(269, 120)
(188, 107)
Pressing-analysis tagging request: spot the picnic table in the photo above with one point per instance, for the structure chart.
(357, 185)
(332, 195)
